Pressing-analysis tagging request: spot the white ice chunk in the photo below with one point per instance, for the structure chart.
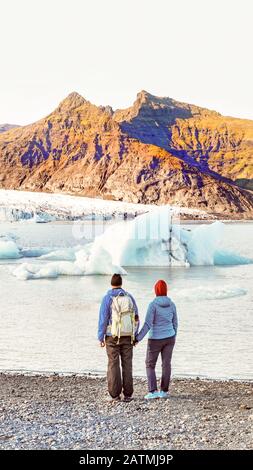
(9, 249)
(202, 243)
(50, 270)
(148, 240)
(64, 254)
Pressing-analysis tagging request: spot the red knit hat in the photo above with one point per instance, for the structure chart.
(161, 288)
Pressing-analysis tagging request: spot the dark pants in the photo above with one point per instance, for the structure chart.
(115, 352)
(155, 347)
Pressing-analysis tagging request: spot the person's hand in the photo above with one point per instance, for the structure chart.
(102, 344)
(135, 342)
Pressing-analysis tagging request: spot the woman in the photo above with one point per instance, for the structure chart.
(161, 320)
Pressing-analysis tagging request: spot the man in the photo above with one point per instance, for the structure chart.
(118, 324)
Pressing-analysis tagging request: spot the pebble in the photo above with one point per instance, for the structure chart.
(202, 414)
(244, 406)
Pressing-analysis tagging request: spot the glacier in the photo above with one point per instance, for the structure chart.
(40, 207)
(151, 239)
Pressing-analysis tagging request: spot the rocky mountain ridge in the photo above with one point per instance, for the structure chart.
(6, 127)
(157, 151)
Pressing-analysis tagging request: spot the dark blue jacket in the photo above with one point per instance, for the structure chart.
(105, 312)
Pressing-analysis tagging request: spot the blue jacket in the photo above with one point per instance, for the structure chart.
(161, 319)
(105, 312)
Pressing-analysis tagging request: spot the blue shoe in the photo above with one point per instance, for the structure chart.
(163, 394)
(151, 395)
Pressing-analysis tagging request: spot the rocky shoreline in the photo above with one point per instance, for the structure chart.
(75, 412)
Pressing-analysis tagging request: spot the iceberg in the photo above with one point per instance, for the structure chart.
(202, 243)
(151, 239)
(27, 271)
(65, 254)
(83, 265)
(228, 258)
(9, 249)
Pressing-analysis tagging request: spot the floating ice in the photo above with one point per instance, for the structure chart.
(206, 293)
(27, 271)
(202, 243)
(224, 257)
(34, 252)
(85, 263)
(148, 240)
(151, 239)
(64, 254)
(9, 249)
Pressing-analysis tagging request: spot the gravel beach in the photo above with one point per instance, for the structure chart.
(75, 412)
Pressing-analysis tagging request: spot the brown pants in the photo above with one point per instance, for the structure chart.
(116, 380)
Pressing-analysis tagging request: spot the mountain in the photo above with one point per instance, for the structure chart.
(157, 151)
(203, 138)
(7, 127)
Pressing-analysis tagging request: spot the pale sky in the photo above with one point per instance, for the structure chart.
(197, 51)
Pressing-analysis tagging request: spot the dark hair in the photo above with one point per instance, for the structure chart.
(116, 280)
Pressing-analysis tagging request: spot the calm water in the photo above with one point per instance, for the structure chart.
(51, 325)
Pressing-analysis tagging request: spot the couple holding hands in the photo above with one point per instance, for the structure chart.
(118, 331)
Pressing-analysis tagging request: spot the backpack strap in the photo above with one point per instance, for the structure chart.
(132, 317)
(115, 301)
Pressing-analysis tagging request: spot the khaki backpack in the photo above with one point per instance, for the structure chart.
(123, 317)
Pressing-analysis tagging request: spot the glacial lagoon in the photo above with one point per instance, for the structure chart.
(50, 324)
